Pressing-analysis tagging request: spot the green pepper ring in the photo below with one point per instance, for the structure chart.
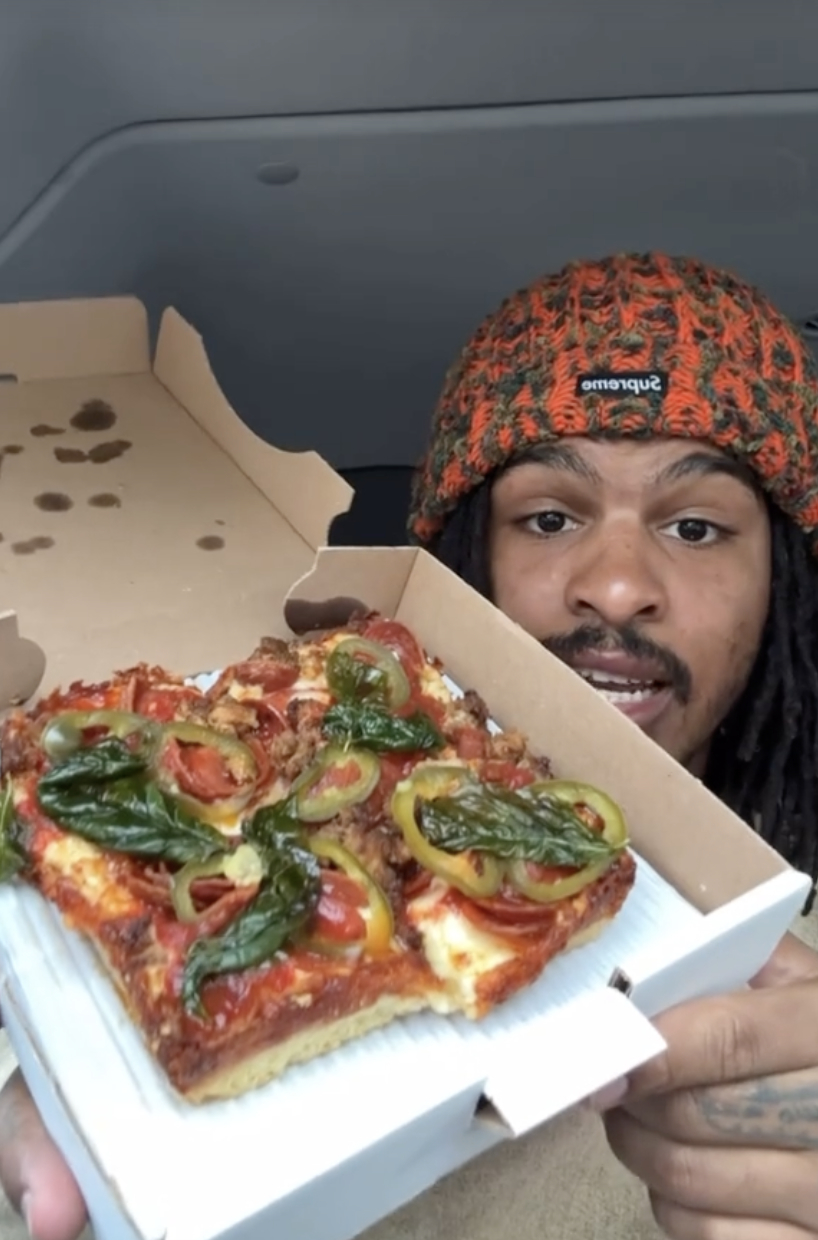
(321, 807)
(614, 832)
(477, 875)
(399, 689)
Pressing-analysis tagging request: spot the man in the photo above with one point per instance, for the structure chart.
(625, 459)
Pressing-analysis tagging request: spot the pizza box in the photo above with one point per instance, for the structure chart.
(140, 519)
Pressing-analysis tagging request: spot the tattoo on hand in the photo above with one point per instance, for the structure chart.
(779, 1111)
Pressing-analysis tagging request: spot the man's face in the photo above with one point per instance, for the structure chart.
(646, 567)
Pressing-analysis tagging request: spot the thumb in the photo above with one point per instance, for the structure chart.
(792, 961)
(35, 1178)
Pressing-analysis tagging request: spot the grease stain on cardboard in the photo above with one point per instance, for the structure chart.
(98, 455)
(42, 429)
(30, 545)
(53, 501)
(70, 456)
(109, 451)
(94, 415)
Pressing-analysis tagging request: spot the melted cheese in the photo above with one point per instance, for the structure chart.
(434, 685)
(459, 953)
(245, 693)
(90, 872)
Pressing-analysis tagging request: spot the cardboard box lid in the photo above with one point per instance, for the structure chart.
(135, 480)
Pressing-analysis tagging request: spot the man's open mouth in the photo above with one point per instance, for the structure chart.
(622, 690)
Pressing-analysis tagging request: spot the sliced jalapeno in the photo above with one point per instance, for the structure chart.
(214, 795)
(339, 778)
(63, 734)
(243, 867)
(238, 756)
(474, 874)
(359, 668)
(379, 922)
(597, 811)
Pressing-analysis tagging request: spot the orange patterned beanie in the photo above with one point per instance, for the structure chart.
(638, 345)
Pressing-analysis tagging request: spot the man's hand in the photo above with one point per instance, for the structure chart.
(723, 1127)
(34, 1176)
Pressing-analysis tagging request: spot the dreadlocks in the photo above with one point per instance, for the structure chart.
(763, 761)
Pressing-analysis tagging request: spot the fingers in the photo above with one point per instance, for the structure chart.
(792, 961)
(32, 1172)
(733, 1038)
(776, 1112)
(682, 1224)
(744, 1183)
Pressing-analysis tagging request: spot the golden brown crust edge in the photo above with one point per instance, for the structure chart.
(233, 1080)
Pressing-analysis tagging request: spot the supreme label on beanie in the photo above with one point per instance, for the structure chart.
(623, 383)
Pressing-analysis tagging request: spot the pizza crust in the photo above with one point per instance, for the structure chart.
(263, 1066)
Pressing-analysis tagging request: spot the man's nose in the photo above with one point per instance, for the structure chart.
(616, 579)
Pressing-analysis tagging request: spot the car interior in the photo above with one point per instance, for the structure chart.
(335, 193)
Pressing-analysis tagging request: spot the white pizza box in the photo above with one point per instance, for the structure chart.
(187, 561)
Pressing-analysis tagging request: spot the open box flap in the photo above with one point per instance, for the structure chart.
(140, 518)
(302, 486)
(52, 340)
(601, 1036)
(22, 662)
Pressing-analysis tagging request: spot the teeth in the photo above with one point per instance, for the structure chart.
(627, 698)
(603, 679)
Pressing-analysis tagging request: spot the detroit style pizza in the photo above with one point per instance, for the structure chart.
(324, 840)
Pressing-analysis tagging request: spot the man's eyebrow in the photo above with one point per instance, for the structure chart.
(702, 465)
(558, 456)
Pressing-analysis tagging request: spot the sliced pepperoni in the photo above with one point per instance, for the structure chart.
(470, 744)
(162, 704)
(226, 909)
(508, 919)
(199, 770)
(336, 920)
(269, 675)
(397, 638)
(508, 774)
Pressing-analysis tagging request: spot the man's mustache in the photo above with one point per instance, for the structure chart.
(625, 640)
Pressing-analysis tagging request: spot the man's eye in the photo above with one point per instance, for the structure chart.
(694, 530)
(551, 522)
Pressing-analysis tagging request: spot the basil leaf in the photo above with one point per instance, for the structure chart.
(369, 727)
(101, 794)
(286, 900)
(512, 826)
(12, 857)
(356, 680)
(272, 826)
(103, 763)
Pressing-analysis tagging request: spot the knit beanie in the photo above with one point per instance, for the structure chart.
(636, 346)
